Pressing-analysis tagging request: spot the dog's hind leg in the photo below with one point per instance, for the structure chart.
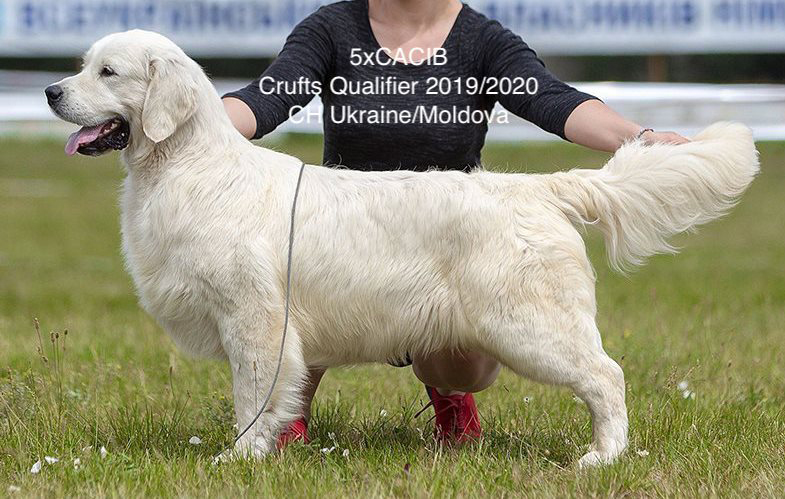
(252, 343)
(603, 390)
(573, 358)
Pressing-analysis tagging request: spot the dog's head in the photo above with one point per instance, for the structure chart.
(132, 83)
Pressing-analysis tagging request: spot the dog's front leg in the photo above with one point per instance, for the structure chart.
(252, 342)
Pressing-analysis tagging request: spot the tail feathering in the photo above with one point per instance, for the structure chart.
(647, 193)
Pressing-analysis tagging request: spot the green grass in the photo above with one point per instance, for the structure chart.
(713, 315)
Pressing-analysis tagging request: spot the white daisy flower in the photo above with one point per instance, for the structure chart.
(36, 467)
(77, 463)
(50, 459)
(194, 440)
(683, 385)
(345, 453)
(103, 452)
(383, 413)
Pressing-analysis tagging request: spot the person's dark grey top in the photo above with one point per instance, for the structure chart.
(484, 63)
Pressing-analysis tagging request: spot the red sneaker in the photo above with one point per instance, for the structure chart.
(457, 419)
(297, 431)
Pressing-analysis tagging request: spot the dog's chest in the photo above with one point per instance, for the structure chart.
(172, 263)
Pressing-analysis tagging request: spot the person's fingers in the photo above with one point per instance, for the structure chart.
(664, 138)
(675, 138)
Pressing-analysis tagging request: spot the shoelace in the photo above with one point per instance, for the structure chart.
(453, 404)
(426, 406)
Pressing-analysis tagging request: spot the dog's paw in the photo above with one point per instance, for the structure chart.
(593, 459)
(246, 448)
(256, 447)
(589, 460)
(224, 457)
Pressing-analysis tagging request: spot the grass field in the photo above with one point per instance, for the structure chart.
(712, 316)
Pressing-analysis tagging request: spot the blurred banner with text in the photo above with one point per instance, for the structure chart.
(252, 28)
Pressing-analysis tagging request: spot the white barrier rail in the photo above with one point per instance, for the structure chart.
(680, 107)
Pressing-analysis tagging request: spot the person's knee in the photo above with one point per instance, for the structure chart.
(480, 373)
(479, 376)
(457, 371)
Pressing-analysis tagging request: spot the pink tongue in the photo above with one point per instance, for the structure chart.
(84, 136)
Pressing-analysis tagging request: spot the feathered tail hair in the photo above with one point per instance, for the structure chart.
(646, 194)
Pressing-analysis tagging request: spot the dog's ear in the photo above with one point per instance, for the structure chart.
(170, 98)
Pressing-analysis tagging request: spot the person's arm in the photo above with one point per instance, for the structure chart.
(306, 56)
(595, 125)
(241, 115)
(557, 107)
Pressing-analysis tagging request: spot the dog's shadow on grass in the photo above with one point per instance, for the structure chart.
(410, 442)
(334, 430)
(407, 437)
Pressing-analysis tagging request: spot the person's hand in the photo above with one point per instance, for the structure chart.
(663, 138)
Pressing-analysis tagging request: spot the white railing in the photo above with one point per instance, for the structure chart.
(682, 107)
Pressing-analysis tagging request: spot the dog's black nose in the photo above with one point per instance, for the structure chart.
(53, 93)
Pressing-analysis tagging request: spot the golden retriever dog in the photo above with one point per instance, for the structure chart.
(384, 263)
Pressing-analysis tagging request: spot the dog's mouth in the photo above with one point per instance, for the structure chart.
(96, 140)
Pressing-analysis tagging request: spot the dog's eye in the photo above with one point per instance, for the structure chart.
(107, 71)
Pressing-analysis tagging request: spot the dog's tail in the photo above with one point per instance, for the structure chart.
(645, 194)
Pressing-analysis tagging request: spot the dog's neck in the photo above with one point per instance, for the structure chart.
(209, 129)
